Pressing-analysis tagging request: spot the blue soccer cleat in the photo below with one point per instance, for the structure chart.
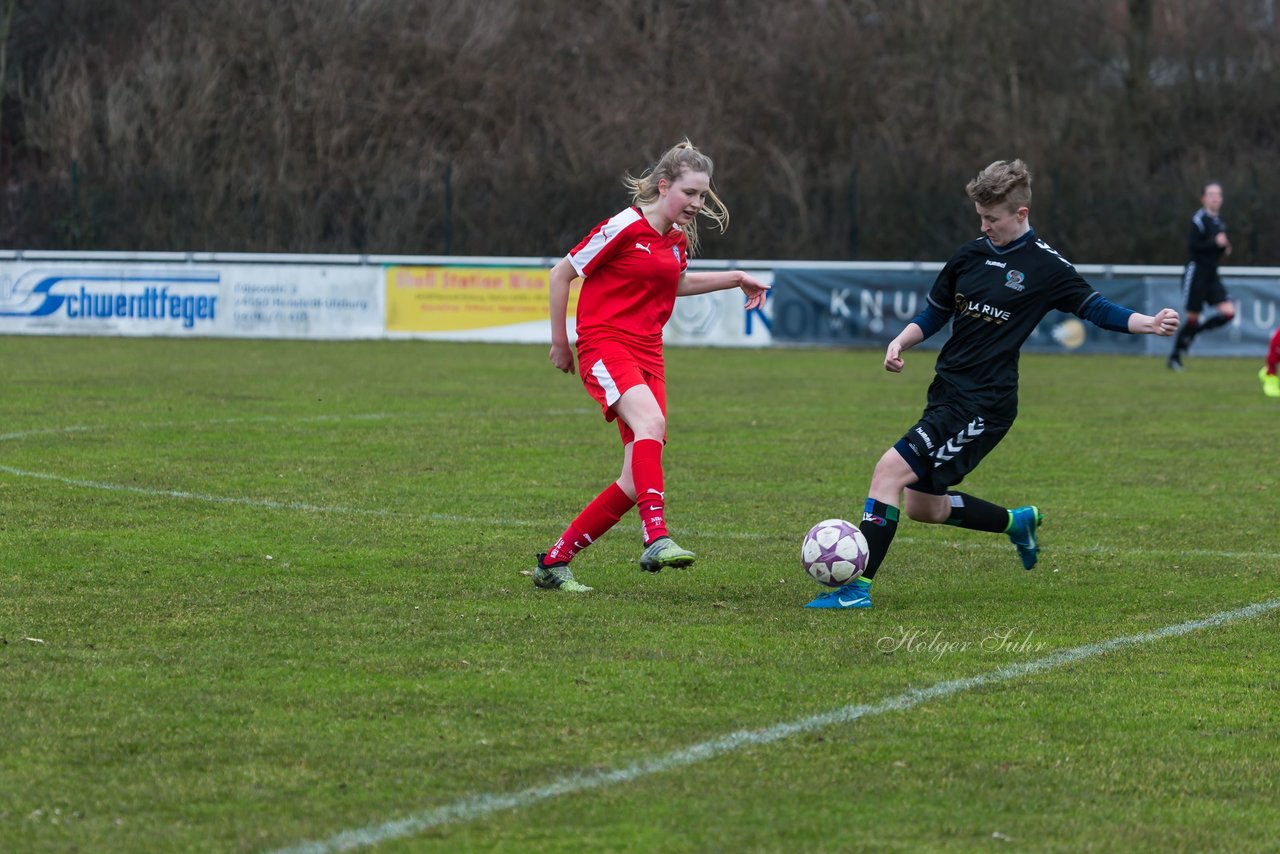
(1023, 524)
(852, 595)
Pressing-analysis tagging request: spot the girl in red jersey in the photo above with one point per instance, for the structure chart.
(1271, 382)
(633, 267)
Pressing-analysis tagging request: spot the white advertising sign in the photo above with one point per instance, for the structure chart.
(718, 319)
(196, 300)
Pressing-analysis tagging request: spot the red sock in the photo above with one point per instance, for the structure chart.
(1273, 354)
(646, 471)
(599, 516)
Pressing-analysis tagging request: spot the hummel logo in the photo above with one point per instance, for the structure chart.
(955, 445)
(999, 264)
(643, 246)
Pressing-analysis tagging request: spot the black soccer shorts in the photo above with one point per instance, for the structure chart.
(947, 443)
(1202, 286)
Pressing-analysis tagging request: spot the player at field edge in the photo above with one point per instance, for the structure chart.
(1207, 243)
(994, 291)
(1271, 382)
(633, 266)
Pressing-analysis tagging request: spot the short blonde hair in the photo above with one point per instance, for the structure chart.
(680, 158)
(1002, 182)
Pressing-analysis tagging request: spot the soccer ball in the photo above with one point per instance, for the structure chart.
(834, 552)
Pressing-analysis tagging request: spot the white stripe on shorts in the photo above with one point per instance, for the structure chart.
(601, 373)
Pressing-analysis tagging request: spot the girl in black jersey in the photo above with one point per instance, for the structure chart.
(994, 291)
(1207, 244)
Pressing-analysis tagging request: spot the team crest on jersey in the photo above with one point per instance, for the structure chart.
(1013, 279)
(675, 250)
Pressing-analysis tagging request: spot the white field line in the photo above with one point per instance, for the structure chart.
(216, 499)
(196, 496)
(478, 806)
(708, 533)
(271, 504)
(266, 503)
(158, 425)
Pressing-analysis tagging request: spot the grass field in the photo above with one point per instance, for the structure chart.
(274, 595)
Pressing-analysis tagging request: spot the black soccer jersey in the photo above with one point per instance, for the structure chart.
(1202, 243)
(996, 296)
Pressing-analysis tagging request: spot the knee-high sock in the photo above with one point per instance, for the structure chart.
(976, 514)
(879, 524)
(599, 516)
(646, 471)
(1186, 335)
(1273, 354)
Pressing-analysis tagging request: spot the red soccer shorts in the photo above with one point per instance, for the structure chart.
(609, 369)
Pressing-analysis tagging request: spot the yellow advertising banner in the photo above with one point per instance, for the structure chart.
(451, 299)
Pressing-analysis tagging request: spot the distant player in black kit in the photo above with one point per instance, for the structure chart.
(1201, 284)
(994, 290)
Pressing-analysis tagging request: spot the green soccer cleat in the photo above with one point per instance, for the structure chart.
(1270, 383)
(664, 552)
(1023, 524)
(558, 576)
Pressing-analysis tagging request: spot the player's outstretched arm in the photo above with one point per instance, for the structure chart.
(1164, 323)
(692, 284)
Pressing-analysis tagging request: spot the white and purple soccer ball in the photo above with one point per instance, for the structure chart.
(834, 552)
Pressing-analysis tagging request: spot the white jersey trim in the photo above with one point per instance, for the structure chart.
(611, 229)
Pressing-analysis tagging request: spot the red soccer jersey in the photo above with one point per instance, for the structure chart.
(630, 274)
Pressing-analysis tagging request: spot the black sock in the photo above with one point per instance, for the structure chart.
(1215, 321)
(1185, 336)
(976, 514)
(879, 524)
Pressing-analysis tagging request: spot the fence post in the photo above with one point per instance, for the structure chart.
(448, 208)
